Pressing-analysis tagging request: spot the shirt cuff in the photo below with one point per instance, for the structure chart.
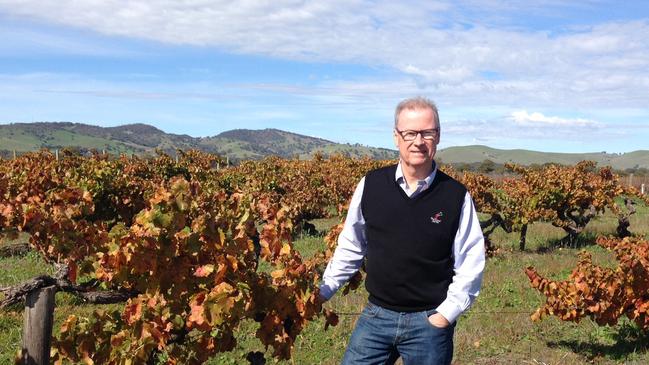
(449, 310)
(326, 292)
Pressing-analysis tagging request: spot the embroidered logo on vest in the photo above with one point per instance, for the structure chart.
(437, 218)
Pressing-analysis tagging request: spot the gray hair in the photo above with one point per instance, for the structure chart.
(415, 103)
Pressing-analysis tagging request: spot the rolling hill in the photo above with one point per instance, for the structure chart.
(240, 144)
(472, 154)
(236, 144)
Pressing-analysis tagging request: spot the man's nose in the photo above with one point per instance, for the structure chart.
(419, 139)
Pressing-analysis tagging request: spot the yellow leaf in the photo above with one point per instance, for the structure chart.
(286, 250)
(277, 274)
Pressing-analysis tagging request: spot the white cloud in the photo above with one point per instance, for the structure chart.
(427, 42)
(19, 41)
(523, 118)
(441, 49)
(536, 131)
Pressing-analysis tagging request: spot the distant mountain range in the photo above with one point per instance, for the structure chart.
(241, 144)
(238, 144)
(472, 154)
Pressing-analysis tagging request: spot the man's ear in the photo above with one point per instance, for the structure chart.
(395, 136)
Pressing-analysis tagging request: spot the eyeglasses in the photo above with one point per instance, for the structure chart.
(427, 134)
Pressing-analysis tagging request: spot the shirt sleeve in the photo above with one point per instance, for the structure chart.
(351, 248)
(469, 255)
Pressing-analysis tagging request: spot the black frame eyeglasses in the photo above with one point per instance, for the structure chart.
(427, 134)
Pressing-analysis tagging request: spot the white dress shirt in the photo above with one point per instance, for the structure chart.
(468, 250)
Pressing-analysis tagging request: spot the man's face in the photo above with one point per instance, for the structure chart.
(420, 151)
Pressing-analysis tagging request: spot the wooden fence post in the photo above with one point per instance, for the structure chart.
(37, 326)
(642, 189)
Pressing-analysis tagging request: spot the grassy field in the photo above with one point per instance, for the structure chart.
(496, 330)
(472, 154)
(15, 138)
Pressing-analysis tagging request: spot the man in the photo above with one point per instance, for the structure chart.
(419, 233)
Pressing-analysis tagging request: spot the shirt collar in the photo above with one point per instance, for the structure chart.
(398, 176)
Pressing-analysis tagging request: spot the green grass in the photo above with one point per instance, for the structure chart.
(15, 270)
(13, 138)
(496, 330)
(476, 153)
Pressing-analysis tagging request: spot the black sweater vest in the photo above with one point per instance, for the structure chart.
(409, 260)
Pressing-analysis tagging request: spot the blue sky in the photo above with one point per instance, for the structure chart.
(542, 75)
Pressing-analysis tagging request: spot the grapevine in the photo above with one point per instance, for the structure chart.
(180, 242)
(600, 293)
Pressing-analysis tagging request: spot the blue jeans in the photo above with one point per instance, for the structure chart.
(382, 335)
